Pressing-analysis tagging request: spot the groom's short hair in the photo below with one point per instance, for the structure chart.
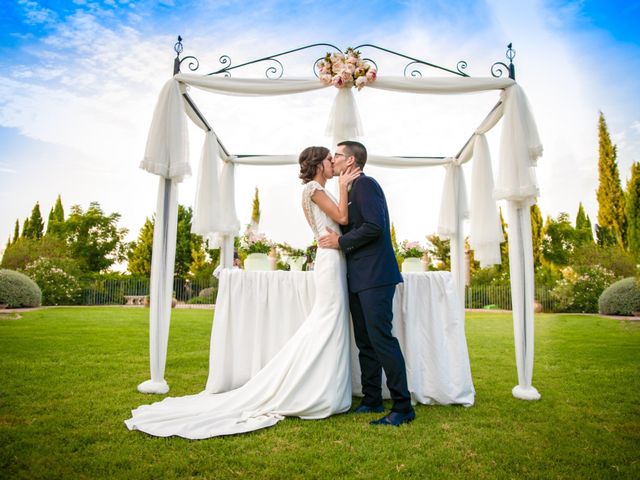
(356, 149)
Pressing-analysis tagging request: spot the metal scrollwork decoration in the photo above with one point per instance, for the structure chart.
(275, 70)
(496, 69)
(193, 64)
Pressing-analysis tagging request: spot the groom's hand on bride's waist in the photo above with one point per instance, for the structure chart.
(330, 240)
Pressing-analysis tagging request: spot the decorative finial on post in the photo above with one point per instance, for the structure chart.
(497, 72)
(176, 61)
(193, 64)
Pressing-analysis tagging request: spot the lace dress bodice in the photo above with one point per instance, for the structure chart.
(318, 220)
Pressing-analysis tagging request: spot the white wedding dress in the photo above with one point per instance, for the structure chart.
(309, 378)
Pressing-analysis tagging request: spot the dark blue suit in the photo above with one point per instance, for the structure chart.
(372, 273)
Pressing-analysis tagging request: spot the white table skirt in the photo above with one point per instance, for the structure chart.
(257, 312)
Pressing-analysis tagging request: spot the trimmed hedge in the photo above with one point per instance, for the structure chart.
(17, 290)
(620, 298)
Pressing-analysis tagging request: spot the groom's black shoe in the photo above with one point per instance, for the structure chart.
(362, 408)
(395, 419)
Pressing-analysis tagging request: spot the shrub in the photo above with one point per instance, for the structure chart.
(202, 301)
(57, 278)
(579, 291)
(620, 298)
(206, 296)
(18, 290)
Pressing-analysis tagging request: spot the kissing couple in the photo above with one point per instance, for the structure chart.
(310, 377)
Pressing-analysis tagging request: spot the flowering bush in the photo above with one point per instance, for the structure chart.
(57, 280)
(579, 290)
(346, 70)
(410, 249)
(255, 243)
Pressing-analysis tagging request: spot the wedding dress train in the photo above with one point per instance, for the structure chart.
(309, 378)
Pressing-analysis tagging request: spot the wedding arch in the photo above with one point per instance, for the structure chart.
(166, 155)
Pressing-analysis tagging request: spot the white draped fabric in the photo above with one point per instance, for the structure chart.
(166, 155)
(427, 321)
(162, 264)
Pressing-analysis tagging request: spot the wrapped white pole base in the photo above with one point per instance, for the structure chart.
(525, 393)
(150, 386)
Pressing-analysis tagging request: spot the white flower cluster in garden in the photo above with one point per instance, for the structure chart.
(346, 70)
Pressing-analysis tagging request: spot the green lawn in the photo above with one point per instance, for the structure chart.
(68, 379)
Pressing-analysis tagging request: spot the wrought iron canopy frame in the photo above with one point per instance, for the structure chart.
(276, 70)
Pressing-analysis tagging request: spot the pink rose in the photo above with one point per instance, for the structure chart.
(346, 76)
(361, 82)
(371, 74)
(338, 81)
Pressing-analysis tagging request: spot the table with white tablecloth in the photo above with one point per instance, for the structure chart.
(257, 312)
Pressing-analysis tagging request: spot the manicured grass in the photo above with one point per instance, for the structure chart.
(68, 378)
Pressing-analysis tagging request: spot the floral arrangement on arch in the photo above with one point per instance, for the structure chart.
(252, 242)
(410, 249)
(346, 70)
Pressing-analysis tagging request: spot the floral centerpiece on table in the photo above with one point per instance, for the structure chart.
(346, 70)
(253, 242)
(410, 249)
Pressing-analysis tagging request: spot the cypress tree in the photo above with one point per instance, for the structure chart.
(55, 222)
(16, 232)
(611, 211)
(584, 235)
(36, 225)
(632, 207)
(536, 234)
(26, 229)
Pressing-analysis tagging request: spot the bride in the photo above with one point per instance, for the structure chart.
(310, 377)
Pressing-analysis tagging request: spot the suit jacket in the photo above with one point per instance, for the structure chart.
(366, 240)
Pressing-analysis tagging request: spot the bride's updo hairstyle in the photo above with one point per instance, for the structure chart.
(310, 159)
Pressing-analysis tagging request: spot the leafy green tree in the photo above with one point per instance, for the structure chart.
(611, 210)
(559, 240)
(439, 249)
(504, 246)
(394, 240)
(139, 255)
(186, 243)
(24, 251)
(537, 227)
(584, 234)
(94, 237)
(55, 222)
(255, 212)
(632, 210)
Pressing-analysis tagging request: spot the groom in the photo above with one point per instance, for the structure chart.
(372, 273)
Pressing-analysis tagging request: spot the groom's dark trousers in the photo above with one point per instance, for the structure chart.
(372, 272)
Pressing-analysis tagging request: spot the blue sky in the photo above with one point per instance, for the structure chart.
(78, 82)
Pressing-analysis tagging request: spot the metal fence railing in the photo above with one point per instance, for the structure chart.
(121, 291)
(499, 297)
(193, 293)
